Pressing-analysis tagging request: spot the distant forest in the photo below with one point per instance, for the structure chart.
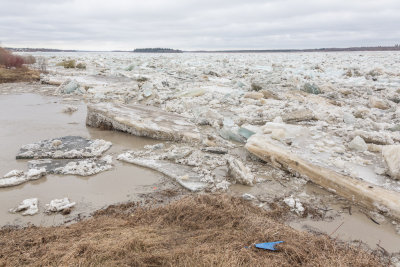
(157, 50)
(366, 48)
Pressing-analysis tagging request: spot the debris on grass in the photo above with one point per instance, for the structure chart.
(206, 229)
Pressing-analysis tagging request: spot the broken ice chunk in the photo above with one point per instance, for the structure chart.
(294, 204)
(239, 172)
(302, 114)
(69, 109)
(147, 92)
(246, 133)
(193, 93)
(57, 205)
(154, 147)
(35, 173)
(254, 95)
(375, 102)
(82, 167)
(215, 150)
(69, 87)
(223, 185)
(278, 134)
(391, 154)
(28, 206)
(311, 88)
(228, 122)
(378, 138)
(247, 196)
(231, 133)
(12, 173)
(358, 144)
(67, 147)
(16, 177)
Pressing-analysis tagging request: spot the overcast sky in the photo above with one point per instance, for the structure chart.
(192, 24)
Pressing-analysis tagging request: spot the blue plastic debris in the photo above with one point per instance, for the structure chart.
(268, 245)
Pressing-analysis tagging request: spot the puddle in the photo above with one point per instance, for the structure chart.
(346, 227)
(28, 118)
(355, 227)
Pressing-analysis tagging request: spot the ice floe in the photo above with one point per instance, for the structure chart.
(17, 177)
(57, 205)
(82, 167)
(67, 147)
(27, 207)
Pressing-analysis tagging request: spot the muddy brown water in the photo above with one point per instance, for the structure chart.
(345, 227)
(28, 118)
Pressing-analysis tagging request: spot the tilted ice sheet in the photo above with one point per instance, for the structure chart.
(184, 175)
(142, 121)
(327, 151)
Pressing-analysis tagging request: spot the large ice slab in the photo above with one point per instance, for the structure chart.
(184, 175)
(362, 192)
(142, 121)
(67, 147)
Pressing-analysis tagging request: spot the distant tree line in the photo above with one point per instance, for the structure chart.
(170, 50)
(157, 50)
(362, 48)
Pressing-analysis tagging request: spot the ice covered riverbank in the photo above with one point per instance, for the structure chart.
(335, 110)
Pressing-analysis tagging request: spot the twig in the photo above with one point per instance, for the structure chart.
(348, 208)
(372, 219)
(337, 228)
(384, 251)
(280, 183)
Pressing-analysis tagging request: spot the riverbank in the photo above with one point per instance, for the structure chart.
(196, 230)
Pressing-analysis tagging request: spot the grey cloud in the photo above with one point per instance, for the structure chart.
(192, 24)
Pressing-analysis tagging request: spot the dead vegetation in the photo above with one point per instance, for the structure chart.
(13, 68)
(206, 230)
(71, 64)
(22, 74)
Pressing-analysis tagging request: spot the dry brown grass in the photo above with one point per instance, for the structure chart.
(18, 75)
(206, 230)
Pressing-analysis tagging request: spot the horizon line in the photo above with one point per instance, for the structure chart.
(324, 49)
